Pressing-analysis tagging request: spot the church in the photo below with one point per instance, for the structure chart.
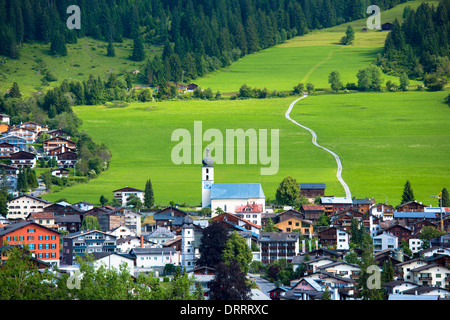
(246, 200)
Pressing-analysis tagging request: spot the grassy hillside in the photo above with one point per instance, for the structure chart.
(86, 57)
(383, 140)
(309, 58)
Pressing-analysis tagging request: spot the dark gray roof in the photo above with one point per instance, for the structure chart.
(71, 218)
(318, 186)
(278, 237)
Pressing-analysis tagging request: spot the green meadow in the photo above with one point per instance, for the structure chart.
(309, 58)
(383, 139)
(87, 56)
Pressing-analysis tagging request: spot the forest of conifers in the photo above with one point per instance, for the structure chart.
(218, 31)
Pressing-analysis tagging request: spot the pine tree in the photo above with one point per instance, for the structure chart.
(14, 92)
(408, 194)
(445, 198)
(138, 50)
(58, 45)
(149, 199)
(110, 52)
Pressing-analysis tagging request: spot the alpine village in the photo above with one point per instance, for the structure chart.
(237, 243)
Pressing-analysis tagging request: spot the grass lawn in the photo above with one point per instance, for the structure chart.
(383, 139)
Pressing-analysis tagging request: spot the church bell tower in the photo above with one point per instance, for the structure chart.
(207, 179)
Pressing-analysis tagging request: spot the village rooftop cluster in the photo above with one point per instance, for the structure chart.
(148, 241)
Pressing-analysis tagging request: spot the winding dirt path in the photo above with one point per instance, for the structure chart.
(348, 194)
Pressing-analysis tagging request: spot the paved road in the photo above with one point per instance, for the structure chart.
(263, 284)
(348, 194)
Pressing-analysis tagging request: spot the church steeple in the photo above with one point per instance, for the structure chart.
(207, 179)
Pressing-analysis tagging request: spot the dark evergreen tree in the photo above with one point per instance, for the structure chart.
(445, 198)
(58, 45)
(138, 50)
(110, 51)
(14, 92)
(149, 198)
(408, 194)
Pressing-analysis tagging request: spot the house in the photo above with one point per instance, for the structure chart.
(403, 270)
(401, 232)
(285, 215)
(276, 246)
(7, 149)
(191, 87)
(251, 212)
(435, 251)
(363, 205)
(112, 260)
(410, 218)
(46, 219)
(161, 235)
(66, 160)
(233, 222)
(313, 264)
(312, 190)
(9, 170)
(153, 260)
(4, 118)
(124, 245)
(385, 241)
(86, 241)
(312, 212)
(334, 205)
(122, 194)
(423, 293)
(398, 286)
(431, 275)
(33, 126)
(341, 269)
(382, 211)
(84, 206)
(121, 216)
(58, 133)
(442, 241)
(27, 134)
(386, 26)
(58, 142)
(411, 206)
(60, 173)
(122, 231)
(335, 237)
(21, 206)
(16, 141)
(42, 241)
(305, 227)
(23, 159)
(57, 151)
(70, 223)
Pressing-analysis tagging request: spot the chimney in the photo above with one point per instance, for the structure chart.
(142, 241)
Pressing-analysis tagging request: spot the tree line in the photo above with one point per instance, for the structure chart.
(198, 35)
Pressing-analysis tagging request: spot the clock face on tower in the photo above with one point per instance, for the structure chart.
(206, 185)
